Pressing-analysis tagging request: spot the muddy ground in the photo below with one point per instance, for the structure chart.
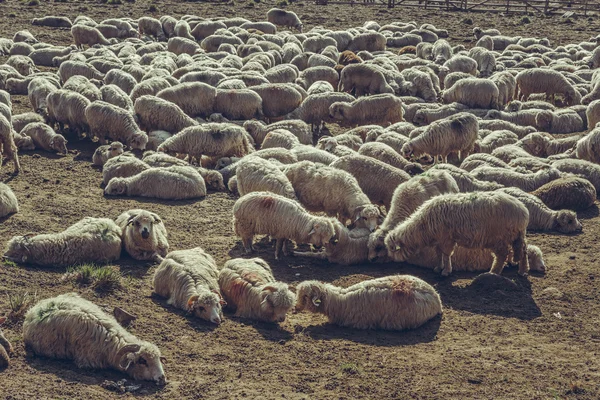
(538, 341)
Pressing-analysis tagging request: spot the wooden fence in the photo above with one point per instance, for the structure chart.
(579, 7)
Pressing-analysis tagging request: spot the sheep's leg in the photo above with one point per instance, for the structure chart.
(247, 242)
(446, 262)
(286, 250)
(500, 257)
(278, 246)
(320, 255)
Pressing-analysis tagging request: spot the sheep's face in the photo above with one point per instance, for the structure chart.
(142, 225)
(310, 296)
(367, 216)
(215, 180)
(492, 114)
(59, 143)
(567, 222)
(327, 144)
(376, 245)
(138, 141)
(397, 249)
(407, 150)
(536, 259)
(115, 149)
(208, 307)
(544, 120)
(116, 187)
(337, 111)
(143, 363)
(276, 301)
(322, 232)
(419, 118)
(18, 250)
(223, 162)
(514, 106)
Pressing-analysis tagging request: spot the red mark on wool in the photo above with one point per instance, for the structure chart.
(401, 287)
(268, 202)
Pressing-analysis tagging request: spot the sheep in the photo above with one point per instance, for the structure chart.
(255, 174)
(37, 91)
(122, 166)
(8, 203)
(8, 148)
(19, 121)
(582, 168)
(105, 119)
(87, 241)
(238, 104)
(496, 125)
(280, 138)
(396, 302)
(211, 139)
(314, 74)
(106, 152)
(314, 110)
(122, 79)
(70, 327)
(507, 86)
(467, 182)
(486, 61)
(550, 82)
(588, 147)
(196, 99)
(189, 280)
(447, 220)
(333, 191)
(87, 35)
(83, 86)
(5, 348)
(22, 64)
(52, 21)
(382, 152)
(278, 99)
(151, 27)
(252, 292)
(421, 84)
(289, 19)
(281, 218)
(172, 183)
(144, 235)
(510, 178)
(509, 152)
(45, 138)
(259, 131)
(544, 145)
(154, 113)
(474, 93)
(479, 33)
(368, 172)
(480, 159)
(71, 68)
(562, 121)
(494, 140)
(407, 197)
(64, 106)
(368, 41)
(363, 79)
(567, 193)
(381, 109)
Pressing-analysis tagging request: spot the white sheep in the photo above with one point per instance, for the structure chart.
(154, 113)
(582, 168)
(289, 19)
(66, 107)
(8, 148)
(547, 81)
(107, 120)
(238, 104)
(144, 235)
(255, 174)
(396, 302)
(45, 138)
(196, 99)
(87, 35)
(363, 79)
(380, 109)
(299, 128)
(106, 152)
(511, 178)
(122, 166)
(473, 92)
(8, 201)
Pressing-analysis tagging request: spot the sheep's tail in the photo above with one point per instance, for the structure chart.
(519, 247)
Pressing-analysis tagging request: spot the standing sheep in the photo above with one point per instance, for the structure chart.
(107, 120)
(380, 109)
(363, 79)
(255, 174)
(394, 302)
(154, 113)
(8, 148)
(547, 81)
(473, 92)
(144, 235)
(189, 280)
(288, 19)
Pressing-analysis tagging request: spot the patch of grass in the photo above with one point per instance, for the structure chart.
(19, 303)
(101, 278)
(153, 8)
(350, 368)
(8, 263)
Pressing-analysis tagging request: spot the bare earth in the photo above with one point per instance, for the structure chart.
(530, 343)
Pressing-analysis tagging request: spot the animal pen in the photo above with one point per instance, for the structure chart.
(581, 7)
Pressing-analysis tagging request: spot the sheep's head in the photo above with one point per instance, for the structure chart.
(338, 110)
(543, 120)
(477, 31)
(300, 27)
(208, 306)
(223, 162)
(396, 248)
(573, 97)
(214, 180)
(376, 245)
(138, 141)
(327, 144)
(276, 301)
(535, 143)
(18, 249)
(115, 149)
(536, 259)
(420, 119)
(311, 296)
(413, 169)
(492, 114)
(142, 362)
(567, 222)
(407, 150)
(59, 143)
(514, 106)
(141, 223)
(322, 232)
(367, 216)
(116, 187)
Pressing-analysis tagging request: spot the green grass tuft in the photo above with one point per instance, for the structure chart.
(101, 278)
(19, 303)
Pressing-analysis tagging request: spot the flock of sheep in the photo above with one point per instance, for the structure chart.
(455, 145)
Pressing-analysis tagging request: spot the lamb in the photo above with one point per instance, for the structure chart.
(106, 152)
(582, 168)
(70, 327)
(144, 235)
(457, 133)
(369, 174)
(8, 204)
(474, 93)
(87, 241)
(259, 131)
(363, 79)
(255, 174)
(511, 178)
(238, 104)
(548, 81)
(289, 19)
(396, 302)
(447, 220)
(66, 107)
(8, 148)
(173, 183)
(5, 348)
(382, 152)
(105, 119)
(196, 99)
(154, 113)
(567, 193)
(211, 139)
(45, 138)
(251, 290)
(381, 109)
(122, 166)
(189, 279)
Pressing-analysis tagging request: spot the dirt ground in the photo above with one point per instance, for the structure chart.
(537, 341)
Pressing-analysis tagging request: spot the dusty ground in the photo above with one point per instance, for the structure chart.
(530, 343)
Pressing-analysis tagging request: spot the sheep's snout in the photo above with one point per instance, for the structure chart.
(216, 320)
(145, 233)
(161, 380)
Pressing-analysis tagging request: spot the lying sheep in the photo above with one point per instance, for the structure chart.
(544, 145)
(380, 109)
(24, 143)
(189, 280)
(8, 148)
(255, 174)
(288, 19)
(107, 120)
(567, 193)
(45, 138)
(70, 327)
(482, 159)
(122, 166)
(252, 292)
(511, 178)
(496, 125)
(474, 93)
(8, 201)
(582, 168)
(154, 113)
(52, 21)
(173, 183)
(494, 140)
(395, 302)
(457, 133)
(106, 152)
(144, 235)
(447, 220)
(542, 218)
(5, 348)
(281, 218)
(87, 241)
(563, 121)
(333, 191)
(19, 121)
(547, 81)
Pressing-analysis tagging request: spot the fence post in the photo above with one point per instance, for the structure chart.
(546, 6)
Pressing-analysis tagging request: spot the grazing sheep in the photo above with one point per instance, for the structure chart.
(562, 121)
(87, 241)
(288, 19)
(314, 110)
(496, 125)
(45, 138)
(259, 131)
(71, 68)
(189, 280)
(396, 302)
(116, 96)
(542, 218)
(106, 152)
(66, 107)
(507, 86)
(196, 99)
(255, 174)
(151, 27)
(238, 104)
(333, 191)
(70, 327)
(172, 183)
(511, 178)
(474, 93)
(122, 166)
(154, 113)
(448, 220)
(105, 119)
(509, 152)
(87, 35)
(38, 90)
(363, 79)
(567, 193)
(8, 202)
(278, 99)
(385, 153)
(457, 133)
(380, 109)
(368, 41)
(252, 292)
(547, 81)
(144, 235)
(122, 79)
(281, 218)
(83, 86)
(8, 148)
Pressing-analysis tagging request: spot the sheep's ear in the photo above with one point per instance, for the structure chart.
(2, 320)
(191, 301)
(312, 231)
(270, 288)
(130, 219)
(126, 361)
(316, 301)
(163, 360)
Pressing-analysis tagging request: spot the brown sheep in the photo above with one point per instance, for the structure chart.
(567, 193)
